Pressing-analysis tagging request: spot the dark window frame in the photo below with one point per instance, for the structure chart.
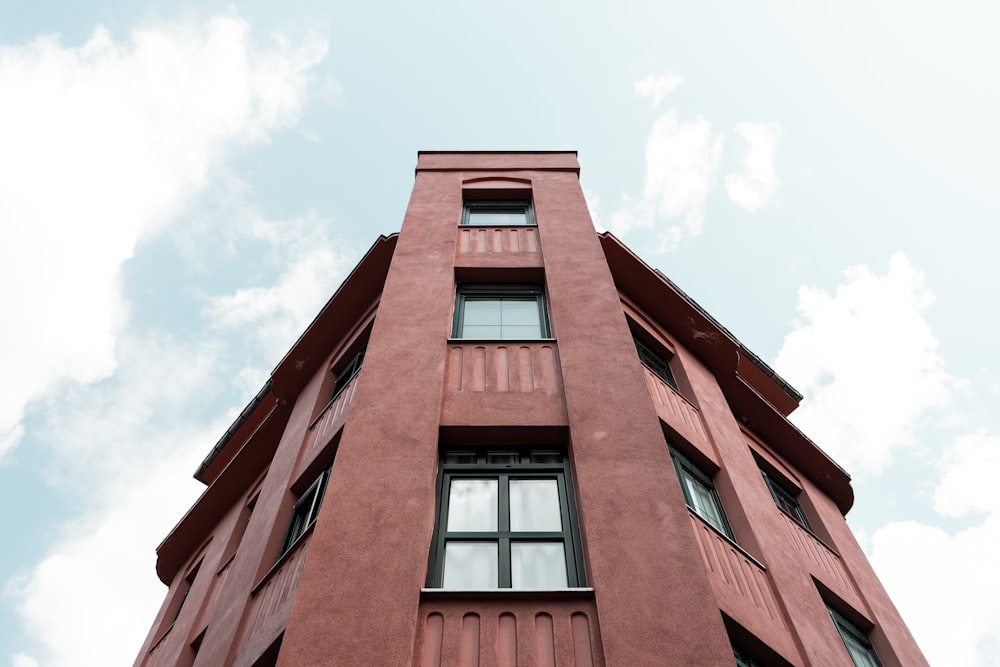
(848, 632)
(347, 374)
(498, 206)
(304, 512)
(505, 464)
(786, 501)
(688, 470)
(498, 292)
(655, 362)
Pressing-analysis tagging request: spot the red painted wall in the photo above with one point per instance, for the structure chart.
(659, 580)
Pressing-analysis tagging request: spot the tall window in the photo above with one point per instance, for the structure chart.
(348, 372)
(505, 520)
(786, 501)
(498, 213)
(700, 494)
(655, 363)
(305, 511)
(856, 642)
(500, 312)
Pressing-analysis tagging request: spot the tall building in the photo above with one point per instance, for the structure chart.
(505, 440)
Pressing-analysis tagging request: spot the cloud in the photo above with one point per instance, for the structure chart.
(277, 314)
(867, 361)
(682, 162)
(757, 183)
(103, 144)
(658, 87)
(926, 569)
(126, 447)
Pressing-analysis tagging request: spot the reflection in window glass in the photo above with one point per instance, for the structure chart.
(472, 505)
(498, 217)
(537, 565)
(471, 565)
(534, 505)
(503, 318)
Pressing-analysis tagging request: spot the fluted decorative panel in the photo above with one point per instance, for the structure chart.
(674, 408)
(733, 573)
(333, 416)
(826, 564)
(522, 367)
(269, 607)
(474, 240)
(508, 631)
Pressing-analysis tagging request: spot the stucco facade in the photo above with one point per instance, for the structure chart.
(519, 355)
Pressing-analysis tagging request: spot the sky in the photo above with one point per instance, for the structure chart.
(183, 185)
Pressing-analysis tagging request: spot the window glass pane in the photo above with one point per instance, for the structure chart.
(498, 217)
(534, 505)
(479, 331)
(862, 655)
(472, 505)
(470, 565)
(537, 565)
(703, 502)
(520, 311)
(519, 332)
(481, 311)
(460, 457)
(546, 457)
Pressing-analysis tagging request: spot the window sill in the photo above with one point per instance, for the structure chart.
(502, 340)
(488, 225)
(728, 539)
(809, 531)
(508, 593)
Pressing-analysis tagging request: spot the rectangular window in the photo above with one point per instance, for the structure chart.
(786, 501)
(505, 520)
(655, 363)
(498, 213)
(305, 511)
(500, 312)
(347, 373)
(858, 647)
(700, 494)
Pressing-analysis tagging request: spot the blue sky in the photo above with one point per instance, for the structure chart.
(182, 187)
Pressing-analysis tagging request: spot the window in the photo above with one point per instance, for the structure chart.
(858, 646)
(743, 661)
(349, 371)
(655, 363)
(500, 312)
(505, 520)
(786, 501)
(498, 213)
(305, 511)
(700, 494)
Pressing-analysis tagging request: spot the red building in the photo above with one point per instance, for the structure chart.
(506, 440)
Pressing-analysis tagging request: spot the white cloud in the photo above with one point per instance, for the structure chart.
(927, 569)
(102, 145)
(682, 162)
(867, 362)
(127, 447)
(757, 183)
(658, 86)
(277, 314)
